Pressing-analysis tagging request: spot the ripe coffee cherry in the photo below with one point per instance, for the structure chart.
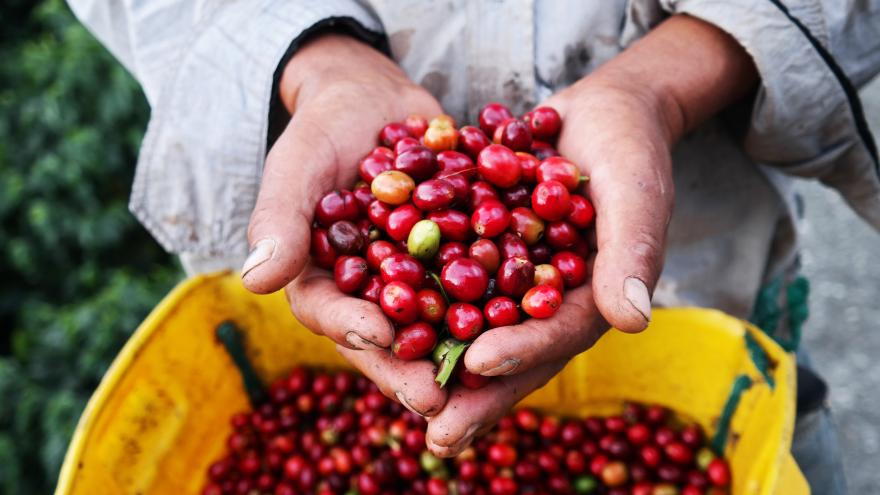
(405, 144)
(401, 221)
(544, 122)
(510, 245)
(615, 474)
(692, 436)
(372, 289)
(638, 434)
(414, 341)
(322, 252)
(450, 251)
(392, 133)
(424, 240)
(374, 164)
(491, 115)
(550, 200)
(470, 380)
(516, 196)
(465, 321)
(432, 306)
(582, 212)
(559, 169)
(378, 213)
(416, 125)
(679, 453)
(363, 196)
(528, 164)
(499, 166)
(527, 225)
(541, 301)
(459, 184)
(441, 134)
(502, 455)
(464, 279)
(472, 140)
(718, 473)
(542, 150)
(490, 219)
(351, 273)
(399, 302)
(335, 206)
(515, 276)
(540, 253)
(572, 267)
(514, 134)
(651, 455)
(453, 162)
(481, 192)
(546, 274)
(485, 252)
(433, 194)
(561, 235)
(392, 187)
(453, 224)
(501, 311)
(368, 231)
(345, 237)
(417, 162)
(404, 268)
(377, 251)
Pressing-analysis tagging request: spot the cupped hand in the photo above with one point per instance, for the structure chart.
(339, 92)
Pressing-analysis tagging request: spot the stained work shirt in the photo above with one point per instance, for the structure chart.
(207, 70)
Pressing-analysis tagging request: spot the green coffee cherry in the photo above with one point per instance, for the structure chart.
(585, 484)
(424, 240)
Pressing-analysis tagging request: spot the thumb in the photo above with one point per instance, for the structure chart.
(299, 169)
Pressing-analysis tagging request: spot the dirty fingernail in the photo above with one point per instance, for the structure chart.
(456, 447)
(359, 343)
(261, 252)
(402, 399)
(636, 293)
(505, 368)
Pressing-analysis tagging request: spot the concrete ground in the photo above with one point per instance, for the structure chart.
(843, 333)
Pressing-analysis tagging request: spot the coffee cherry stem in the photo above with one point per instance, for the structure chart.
(440, 284)
(449, 361)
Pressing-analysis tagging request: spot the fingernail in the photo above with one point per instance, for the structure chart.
(402, 399)
(359, 343)
(505, 368)
(261, 252)
(636, 293)
(458, 446)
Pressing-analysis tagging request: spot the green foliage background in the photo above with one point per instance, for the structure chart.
(77, 273)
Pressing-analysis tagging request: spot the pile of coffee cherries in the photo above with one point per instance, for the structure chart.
(336, 434)
(453, 234)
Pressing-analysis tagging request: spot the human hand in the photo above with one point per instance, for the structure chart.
(619, 125)
(339, 92)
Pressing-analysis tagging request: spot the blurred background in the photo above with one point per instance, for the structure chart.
(78, 273)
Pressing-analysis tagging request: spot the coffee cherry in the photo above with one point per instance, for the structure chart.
(582, 212)
(424, 240)
(509, 245)
(472, 140)
(372, 289)
(434, 194)
(377, 251)
(465, 321)
(363, 196)
(499, 166)
(464, 279)
(453, 224)
(692, 436)
(481, 192)
(350, 273)
(559, 169)
(550, 200)
(542, 150)
(374, 164)
(541, 301)
(322, 252)
(704, 457)
(490, 219)
(399, 302)
(485, 252)
(455, 163)
(540, 253)
(492, 115)
(450, 251)
(392, 133)
(544, 122)
(392, 187)
(546, 274)
(432, 306)
(378, 213)
(414, 341)
(638, 434)
(401, 221)
(679, 453)
(416, 125)
(335, 206)
(528, 164)
(572, 267)
(615, 474)
(515, 276)
(441, 134)
(501, 311)
(470, 380)
(417, 162)
(345, 237)
(718, 473)
(404, 268)
(561, 235)
(514, 134)
(527, 225)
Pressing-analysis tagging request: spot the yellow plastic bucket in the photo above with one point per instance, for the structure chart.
(160, 415)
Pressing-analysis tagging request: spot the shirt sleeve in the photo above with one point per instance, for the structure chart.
(806, 118)
(208, 69)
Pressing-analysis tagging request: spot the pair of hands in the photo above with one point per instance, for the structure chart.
(619, 125)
